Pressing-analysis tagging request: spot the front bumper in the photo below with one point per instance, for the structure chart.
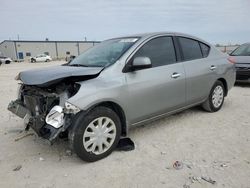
(37, 122)
(243, 74)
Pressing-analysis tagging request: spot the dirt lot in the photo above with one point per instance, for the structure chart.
(209, 145)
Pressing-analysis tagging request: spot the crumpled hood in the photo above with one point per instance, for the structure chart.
(54, 74)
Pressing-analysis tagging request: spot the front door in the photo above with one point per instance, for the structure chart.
(159, 89)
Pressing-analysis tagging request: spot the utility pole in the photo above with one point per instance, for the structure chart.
(17, 36)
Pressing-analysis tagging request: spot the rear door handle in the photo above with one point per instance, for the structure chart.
(212, 67)
(175, 75)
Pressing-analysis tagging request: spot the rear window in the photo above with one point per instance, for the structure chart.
(190, 48)
(205, 49)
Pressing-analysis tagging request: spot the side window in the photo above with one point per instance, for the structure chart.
(205, 49)
(190, 48)
(160, 51)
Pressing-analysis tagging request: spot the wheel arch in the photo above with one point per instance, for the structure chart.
(224, 82)
(118, 110)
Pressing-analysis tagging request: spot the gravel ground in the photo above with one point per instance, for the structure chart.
(208, 145)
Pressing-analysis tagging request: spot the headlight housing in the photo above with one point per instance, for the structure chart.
(55, 117)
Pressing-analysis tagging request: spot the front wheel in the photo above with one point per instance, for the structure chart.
(216, 98)
(95, 134)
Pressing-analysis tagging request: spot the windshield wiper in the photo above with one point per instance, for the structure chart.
(77, 65)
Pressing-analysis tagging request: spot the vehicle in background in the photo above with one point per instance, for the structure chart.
(241, 57)
(5, 60)
(40, 58)
(120, 83)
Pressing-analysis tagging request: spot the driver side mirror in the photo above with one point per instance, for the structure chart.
(139, 63)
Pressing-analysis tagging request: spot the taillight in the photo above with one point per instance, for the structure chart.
(231, 60)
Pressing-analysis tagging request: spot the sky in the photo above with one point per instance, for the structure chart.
(216, 21)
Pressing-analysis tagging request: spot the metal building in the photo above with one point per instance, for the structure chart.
(22, 50)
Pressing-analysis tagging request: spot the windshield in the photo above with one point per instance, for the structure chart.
(243, 50)
(104, 54)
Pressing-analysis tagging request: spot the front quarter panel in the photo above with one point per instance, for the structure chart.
(109, 86)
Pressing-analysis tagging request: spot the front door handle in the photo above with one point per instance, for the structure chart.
(175, 75)
(212, 67)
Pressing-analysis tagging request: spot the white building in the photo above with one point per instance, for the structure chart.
(22, 49)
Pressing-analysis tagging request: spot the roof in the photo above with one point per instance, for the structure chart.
(152, 34)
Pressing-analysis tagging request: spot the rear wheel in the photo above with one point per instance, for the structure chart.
(95, 134)
(216, 98)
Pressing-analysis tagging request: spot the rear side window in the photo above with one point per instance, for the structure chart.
(160, 51)
(205, 49)
(190, 48)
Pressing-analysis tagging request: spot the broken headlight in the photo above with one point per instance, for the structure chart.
(55, 117)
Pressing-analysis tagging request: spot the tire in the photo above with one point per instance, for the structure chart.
(217, 91)
(47, 60)
(87, 124)
(33, 60)
(7, 62)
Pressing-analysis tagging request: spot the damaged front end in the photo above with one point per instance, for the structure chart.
(45, 109)
(43, 94)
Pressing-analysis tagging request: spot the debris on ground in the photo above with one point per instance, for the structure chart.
(125, 144)
(189, 166)
(41, 159)
(223, 165)
(178, 165)
(68, 152)
(248, 162)
(194, 179)
(17, 168)
(208, 179)
(23, 136)
(15, 131)
(167, 167)
(220, 164)
(186, 186)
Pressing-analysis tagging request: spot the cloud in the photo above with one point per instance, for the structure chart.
(216, 21)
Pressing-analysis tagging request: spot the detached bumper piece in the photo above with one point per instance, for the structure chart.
(18, 109)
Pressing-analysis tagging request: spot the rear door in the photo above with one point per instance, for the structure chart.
(199, 70)
(159, 89)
